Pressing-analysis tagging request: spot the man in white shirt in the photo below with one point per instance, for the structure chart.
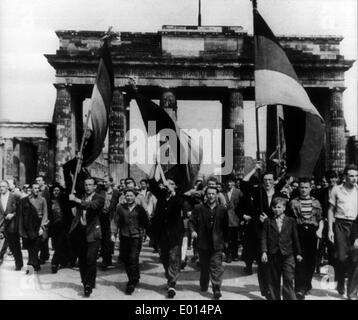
(342, 212)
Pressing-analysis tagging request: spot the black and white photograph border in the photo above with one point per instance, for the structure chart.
(39, 44)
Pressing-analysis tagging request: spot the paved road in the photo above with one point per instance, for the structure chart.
(111, 283)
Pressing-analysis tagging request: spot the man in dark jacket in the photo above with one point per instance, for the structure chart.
(209, 224)
(9, 215)
(86, 233)
(111, 201)
(254, 219)
(33, 225)
(168, 228)
(131, 220)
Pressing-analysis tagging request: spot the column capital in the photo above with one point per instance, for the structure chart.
(337, 89)
(62, 85)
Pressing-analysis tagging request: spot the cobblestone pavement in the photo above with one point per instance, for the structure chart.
(111, 283)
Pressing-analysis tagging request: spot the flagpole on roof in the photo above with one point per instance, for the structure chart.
(258, 155)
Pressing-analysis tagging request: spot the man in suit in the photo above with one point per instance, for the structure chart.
(208, 224)
(9, 212)
(280, 245)
(111, 201)
(233, 197)
(254, 219)
(85, 233)
(168, 228)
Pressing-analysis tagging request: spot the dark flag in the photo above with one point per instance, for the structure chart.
(183, 172)
(276, 83)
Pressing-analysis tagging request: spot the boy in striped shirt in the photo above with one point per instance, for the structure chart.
(308, 213)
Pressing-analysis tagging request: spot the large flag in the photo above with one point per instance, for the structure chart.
(186, 164)
(99, 109)
(276, 83)
(97, 121)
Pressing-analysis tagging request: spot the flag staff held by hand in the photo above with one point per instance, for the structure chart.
(258, 155)
(79, 154)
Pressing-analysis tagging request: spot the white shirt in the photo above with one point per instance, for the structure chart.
(229, 193)
(270, 195)
(83, 218)
(4, 199)
(345, 202)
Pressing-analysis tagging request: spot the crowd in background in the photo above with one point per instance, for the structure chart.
(289, 227)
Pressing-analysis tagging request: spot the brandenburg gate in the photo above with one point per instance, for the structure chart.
(191, 63)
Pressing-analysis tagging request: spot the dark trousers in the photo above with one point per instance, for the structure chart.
(130, 250)
(352, 286)
(87, 256)
(211, 267)
(13, 240)
(33, 249)
(342, 246)
(281, 266)
(305, 268)
(325, 249)
(262, 277)
(233, 242)
(44, 250)
(3, 247)
(107, 246)
(60, 245)
(171, 259)
(251, 245)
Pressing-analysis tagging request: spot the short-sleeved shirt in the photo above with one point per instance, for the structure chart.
(345, 202)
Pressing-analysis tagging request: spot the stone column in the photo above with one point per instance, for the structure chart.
(43, 158)
(233, 118)
(65, 133)
(337, 140)
(117, 129)
(9, 155)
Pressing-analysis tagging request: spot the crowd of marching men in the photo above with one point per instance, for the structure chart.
(288, 227)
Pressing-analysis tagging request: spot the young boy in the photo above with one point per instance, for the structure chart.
(279, 245)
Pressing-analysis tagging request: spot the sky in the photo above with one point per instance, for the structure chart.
(27, 32)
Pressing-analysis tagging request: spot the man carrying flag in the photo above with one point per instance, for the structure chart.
(85, 230)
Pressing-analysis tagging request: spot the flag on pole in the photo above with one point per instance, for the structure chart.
(276, 82)
(99, 108)
(96, 125)
(184, 172)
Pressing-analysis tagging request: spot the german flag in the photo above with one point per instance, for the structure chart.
(276, 83)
